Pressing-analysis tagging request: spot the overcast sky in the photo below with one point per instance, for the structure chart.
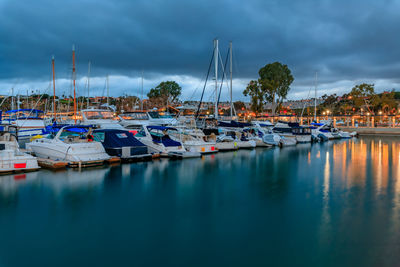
(346, 42)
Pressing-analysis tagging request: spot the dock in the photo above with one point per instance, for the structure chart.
(387, 131)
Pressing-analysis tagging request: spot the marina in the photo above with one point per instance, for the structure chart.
(309, 202)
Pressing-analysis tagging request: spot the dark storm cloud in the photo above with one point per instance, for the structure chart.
(342, 40)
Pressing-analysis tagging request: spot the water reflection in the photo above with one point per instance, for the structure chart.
(332, 201)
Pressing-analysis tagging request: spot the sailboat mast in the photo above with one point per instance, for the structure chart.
(73, 77)
(216, 77)
(230, 72)
(12, 98)
(315, 97)
(54, 88)
(107, 90)
(88, 85)
(141, 102)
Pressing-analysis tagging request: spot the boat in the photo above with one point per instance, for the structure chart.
(72, 144)
(157, 139)
(193, 141)
(122, 144)
(11, 157)
(256, 134)
(161, 118)
(269, 136)
(134, 119)
(27, 122)
(102, 118)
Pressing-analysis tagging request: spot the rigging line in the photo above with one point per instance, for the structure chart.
(223, 76)
(205, 84)
(304, 106)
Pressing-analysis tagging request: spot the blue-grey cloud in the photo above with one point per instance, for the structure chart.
(345, 41)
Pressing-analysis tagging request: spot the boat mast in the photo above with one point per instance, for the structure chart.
(230, 71)
(107, 90)
(12, 98)
(216, 77)
(54, 87)
(141, 102)
(88, 85)
(73, 77)
(315, 98)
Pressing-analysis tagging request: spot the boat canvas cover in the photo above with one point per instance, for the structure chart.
(119, 138)
(234, 124)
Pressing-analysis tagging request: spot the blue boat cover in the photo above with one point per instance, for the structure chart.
(234, 124)
(25, 109)
(114, 138)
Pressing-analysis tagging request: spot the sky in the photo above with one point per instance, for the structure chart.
(345, 42)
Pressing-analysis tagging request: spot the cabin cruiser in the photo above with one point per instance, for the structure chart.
(157, 139)
(269, 136)
(27, 122)
(102, 118)
(161, 118)
(122, 144)
(73, 144)
(11, 158)
(293, 130)
(325, 131)
(256, 134)
(194, 141)
(234, 129)
(134, 119)
(222, 142)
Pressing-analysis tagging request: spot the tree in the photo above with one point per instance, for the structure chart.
(361, 95)
(168, 91)
(275, 80)
(238, 105)
(254, 90)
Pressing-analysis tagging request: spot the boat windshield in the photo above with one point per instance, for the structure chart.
(25, 114)
(99, 115)
(160, 115)
(135, 116)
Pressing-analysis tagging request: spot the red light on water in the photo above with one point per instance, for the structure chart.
(20, 177)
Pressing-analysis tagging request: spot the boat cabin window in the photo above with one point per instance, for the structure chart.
(135, 116)
(99, 136)
(159, 115)
(140, 133)
(99, 115)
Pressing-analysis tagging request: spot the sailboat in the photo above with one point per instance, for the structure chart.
(73, 143)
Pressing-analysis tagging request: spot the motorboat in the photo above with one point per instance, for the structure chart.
(161, 118)
(222, 141)
(256, 134)
(293, 130)
(325, 131)
(134, 119)
(234, 129)
(102, 118)
(268, 135)
(27, 122)
(193, 141)
(12, 159)
(122, 144)
(158, 140)
(72, 144)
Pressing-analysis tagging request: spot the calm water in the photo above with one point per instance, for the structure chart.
(332, 204)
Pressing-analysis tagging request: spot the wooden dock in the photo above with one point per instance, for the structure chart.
(387, 131)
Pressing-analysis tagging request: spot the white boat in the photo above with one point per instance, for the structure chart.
(134, 119)
(11, 158)
(27, 122)
(256, 134)
(240, 138)
(223, 142)
(268, 136)
(157, 139)
(293, 130)
(194, 141)
(101, 118)
(72, 144)
(161, 118)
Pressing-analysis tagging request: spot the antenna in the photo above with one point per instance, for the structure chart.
(315, 97)
(74, 78)
(88, 85)
(54, 88)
